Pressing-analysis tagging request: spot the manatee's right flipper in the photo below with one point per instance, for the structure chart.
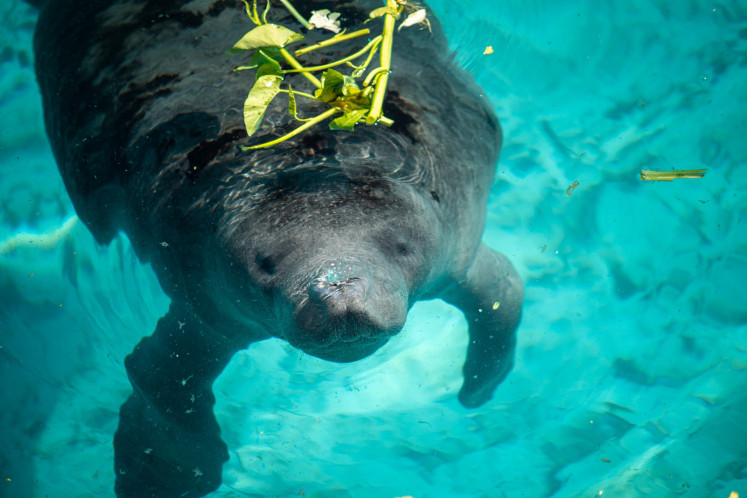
(168, 441)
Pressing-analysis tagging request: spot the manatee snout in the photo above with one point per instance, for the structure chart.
(346, 315)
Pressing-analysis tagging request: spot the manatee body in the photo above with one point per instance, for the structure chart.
(325, 240)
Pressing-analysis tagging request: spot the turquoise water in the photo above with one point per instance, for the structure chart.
(630, 375)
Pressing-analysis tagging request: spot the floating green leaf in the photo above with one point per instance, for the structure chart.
(347, 121)
(260, 96)
(266, 35)
(336, 85)
(267, 65)
(267, 52)
(332, 82)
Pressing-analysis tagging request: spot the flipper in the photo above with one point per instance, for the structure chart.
(168, 441)
(490, 295)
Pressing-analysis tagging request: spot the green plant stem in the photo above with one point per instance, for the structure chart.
(668, 176)
(385, 62)
(326, 114)
(267, 11)
(293, 62)
(332, 41)
(373, 74)
(360, 69)
(253, 16)
(337, 63)
(295, 14)
(302, 94)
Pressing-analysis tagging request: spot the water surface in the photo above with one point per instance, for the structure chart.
(630, 374)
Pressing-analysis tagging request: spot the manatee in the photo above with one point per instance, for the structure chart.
(325, 240)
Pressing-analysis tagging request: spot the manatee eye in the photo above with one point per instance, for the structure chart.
(403, 248)
(266, 264)
(396, 246)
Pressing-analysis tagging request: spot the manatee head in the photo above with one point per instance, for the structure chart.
(335, 262)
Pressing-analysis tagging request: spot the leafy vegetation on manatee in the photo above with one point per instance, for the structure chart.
(349, 100)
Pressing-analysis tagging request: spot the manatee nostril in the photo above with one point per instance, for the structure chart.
(338, 296)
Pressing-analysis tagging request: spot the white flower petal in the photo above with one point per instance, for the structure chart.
(415, 18)
(323, 19)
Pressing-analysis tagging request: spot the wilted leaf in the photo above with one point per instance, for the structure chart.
(260, 96)
(349, 87)
(381, 11)
(292, 109)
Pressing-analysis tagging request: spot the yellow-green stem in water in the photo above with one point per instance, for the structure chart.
(373, 74)
(295, 14)
(332, 41)
(264, 14)
(337, 63)
(385, 62)
(293, 62)
(326, 114)
(252, 13)
(360, 69)
(302, 94)
(668, 176)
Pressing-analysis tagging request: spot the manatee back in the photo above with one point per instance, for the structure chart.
(144, 113)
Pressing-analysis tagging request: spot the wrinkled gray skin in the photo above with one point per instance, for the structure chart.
(325, 241)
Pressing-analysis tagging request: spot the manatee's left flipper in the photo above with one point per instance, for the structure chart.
(490, 295)
(168, 440)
